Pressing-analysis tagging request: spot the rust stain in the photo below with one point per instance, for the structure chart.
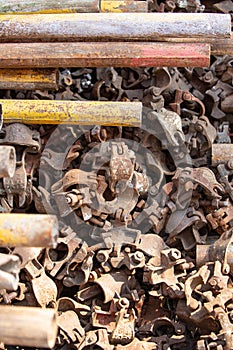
(102, 55)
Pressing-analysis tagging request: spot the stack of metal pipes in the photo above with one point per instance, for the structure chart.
(39, 37)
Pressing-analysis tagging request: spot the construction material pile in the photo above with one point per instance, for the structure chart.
(139, 173)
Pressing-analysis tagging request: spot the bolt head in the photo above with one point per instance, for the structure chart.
(138, 257)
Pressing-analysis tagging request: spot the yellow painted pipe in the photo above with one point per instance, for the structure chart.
(29, 79)
(71, 6)
(28, 230)
(123, 6)
(72, 112)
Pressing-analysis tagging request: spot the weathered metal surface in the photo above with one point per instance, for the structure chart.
(219, 47)
(18, 187)
(221, 154)
(109, 27)
(25, 230)
(28, 326)
(28, 79)
(7, 161)
(220, 250)
(44, 55)
(48, 6)
(224, 6)
(9, 272)
(72, 112)
(192, 6)
(69, 6)
(222, 47)
(123, 6)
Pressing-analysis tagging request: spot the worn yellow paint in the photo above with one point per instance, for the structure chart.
(29, 79)
(11, 239)
(71, 7)
(44, 11)
(123, 6)
(149, 18)
(27, 75)
(72, 112)
(28, 230)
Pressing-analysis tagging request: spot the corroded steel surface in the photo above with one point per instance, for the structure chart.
(43, 55)
(143, 212)
(28, 79)
(112, 27)
(144, 258)
(48, 6)
(69, 6)
(25, 230)
(221, 153)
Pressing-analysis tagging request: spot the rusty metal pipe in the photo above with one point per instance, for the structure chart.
(7, 161)
(113, 27)
(101, 55)
(48, 6)
(72, 112)
(28, 230)
(219, 47)
(28, 326)
(222, 47)
(29, 79)
(69, 6)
